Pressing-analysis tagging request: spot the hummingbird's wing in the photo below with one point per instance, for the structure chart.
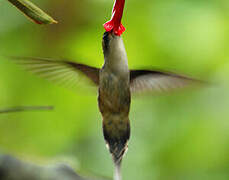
(158, 81)
(62, 72)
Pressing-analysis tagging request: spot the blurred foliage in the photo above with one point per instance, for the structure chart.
(33, 12)
(184, 135)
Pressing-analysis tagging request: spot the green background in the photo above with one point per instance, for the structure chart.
(178, 136)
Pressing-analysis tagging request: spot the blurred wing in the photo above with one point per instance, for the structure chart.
(63, 72)
(156, 81)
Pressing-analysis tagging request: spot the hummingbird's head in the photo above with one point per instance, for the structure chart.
(112, 45)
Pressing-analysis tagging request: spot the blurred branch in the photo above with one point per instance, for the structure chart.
(14, 169)
(26, 108)
(33, 12)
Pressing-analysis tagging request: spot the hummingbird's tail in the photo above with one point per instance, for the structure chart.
(117, 143)
(116, 138)
(117, 150)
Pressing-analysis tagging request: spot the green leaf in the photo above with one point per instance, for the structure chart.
(33, 12)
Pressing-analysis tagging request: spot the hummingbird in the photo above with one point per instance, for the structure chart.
(115, 82)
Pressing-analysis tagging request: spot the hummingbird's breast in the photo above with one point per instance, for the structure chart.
(114, 92)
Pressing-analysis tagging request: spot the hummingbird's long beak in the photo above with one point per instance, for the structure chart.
(115, 23)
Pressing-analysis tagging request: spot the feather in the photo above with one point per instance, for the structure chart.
(62, 72)
(158, 81)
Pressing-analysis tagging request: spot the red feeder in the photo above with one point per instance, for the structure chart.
(115, 22)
